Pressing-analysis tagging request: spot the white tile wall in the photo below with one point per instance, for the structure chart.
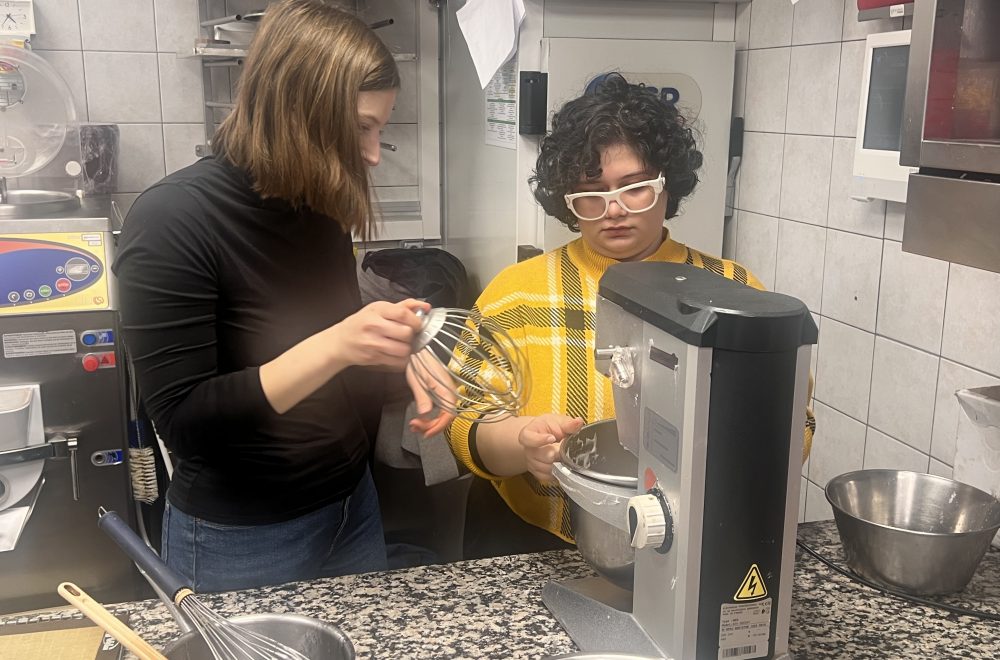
(799, 265)
(851, 278)
(69, 65)
(940, 469)
(852, 59)
(805, 178)
(57, 23)
(972, 315)
(813, 73)
(894, 216)
(899, 333)
(904, 382)
(760, 173)
(140, 158)
(179, 142)
(770, 23)
(181, 89)
(176, 24)
(838, 447)
(911, 298)
(118, 26)
(757, 245)
(883, 452)
(767, 90)
(817, 508)
(845, 368)
(817, 22)
(122, 87)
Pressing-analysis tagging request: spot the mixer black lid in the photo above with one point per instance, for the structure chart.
(702, 308)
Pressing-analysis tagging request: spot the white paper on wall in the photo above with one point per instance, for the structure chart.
(490, 28)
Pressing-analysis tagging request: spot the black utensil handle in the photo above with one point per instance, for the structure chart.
(165, 577)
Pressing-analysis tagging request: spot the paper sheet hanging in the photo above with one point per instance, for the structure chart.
(490, 28)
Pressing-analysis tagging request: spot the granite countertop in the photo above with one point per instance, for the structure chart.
(492, 609)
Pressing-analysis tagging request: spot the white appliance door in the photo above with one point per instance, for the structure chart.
(700, 75)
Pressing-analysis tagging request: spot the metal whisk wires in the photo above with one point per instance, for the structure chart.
(226, 640)
(229, 641)
(484, 378)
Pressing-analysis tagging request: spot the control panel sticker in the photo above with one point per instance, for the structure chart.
(752, 587)
(744, 630)
(661, 439)
(30, 344)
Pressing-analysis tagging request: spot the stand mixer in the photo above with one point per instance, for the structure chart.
(710, 382)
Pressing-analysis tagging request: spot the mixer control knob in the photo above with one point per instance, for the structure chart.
(649, 522)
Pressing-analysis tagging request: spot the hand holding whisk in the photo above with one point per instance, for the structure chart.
(469, 365)
(223, 638)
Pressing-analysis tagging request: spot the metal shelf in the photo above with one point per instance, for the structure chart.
(225, 52)
(889, 11)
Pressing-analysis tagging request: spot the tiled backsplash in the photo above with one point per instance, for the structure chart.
(899, 332)
(120, 61)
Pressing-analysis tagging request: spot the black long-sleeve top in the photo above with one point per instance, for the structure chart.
(213, 282)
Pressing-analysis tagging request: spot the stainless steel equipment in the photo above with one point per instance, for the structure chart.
(62, 417)
(311, 637)
(917, 533)
(595, 453)
(951, 131)
(710, 381)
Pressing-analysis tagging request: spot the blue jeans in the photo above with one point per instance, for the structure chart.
(342, 538)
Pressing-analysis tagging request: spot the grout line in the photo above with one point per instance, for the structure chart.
(941, 358)
(83, 61)
(159, 96)
(944, 316)
(878, 430)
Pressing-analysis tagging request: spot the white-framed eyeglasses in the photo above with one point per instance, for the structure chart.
(634, 198)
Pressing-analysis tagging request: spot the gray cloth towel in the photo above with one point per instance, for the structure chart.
(399, 447)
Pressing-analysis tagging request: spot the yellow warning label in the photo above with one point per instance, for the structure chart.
(752, 587)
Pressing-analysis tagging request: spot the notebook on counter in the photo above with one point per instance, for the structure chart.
(66, 639)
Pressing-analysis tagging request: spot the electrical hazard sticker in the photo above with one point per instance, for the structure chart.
(752, 587)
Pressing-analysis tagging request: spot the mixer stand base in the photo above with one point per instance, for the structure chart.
(597, 615)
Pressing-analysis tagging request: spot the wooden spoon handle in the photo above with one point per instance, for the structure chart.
(76, 596)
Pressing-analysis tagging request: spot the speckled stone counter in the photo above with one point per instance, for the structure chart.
(493, 609)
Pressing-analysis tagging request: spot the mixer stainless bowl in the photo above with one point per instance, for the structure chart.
(913, 532)
(594, 452)
(311, 637)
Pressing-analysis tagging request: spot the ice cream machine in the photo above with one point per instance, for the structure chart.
(63, 437)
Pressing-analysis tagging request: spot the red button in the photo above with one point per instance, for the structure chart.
(91, 363)
(63, 285)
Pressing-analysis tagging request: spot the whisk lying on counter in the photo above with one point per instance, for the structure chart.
(225, 639)
(484, 376)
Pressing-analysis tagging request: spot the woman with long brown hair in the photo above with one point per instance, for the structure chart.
(241, 312)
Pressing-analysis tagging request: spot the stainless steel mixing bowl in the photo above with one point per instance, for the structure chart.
(913, 532)
(313, 638)
(594, 452)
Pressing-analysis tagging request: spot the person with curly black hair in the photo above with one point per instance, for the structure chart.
(619, 162)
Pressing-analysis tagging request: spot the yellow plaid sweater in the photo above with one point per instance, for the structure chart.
(547, 304)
